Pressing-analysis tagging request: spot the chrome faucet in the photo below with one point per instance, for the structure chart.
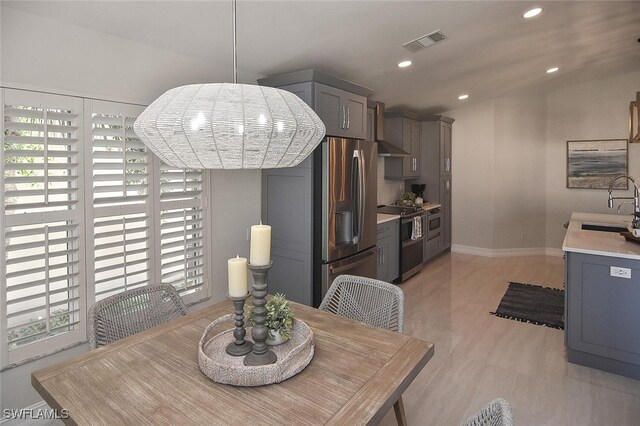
(635, 198)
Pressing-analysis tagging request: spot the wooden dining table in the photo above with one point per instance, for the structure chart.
(356, 375)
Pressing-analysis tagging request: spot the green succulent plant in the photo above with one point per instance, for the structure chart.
(408, 196)
(279, 316)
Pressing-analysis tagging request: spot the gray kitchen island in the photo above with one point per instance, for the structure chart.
(602, 299)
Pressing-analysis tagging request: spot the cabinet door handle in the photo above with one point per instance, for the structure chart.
(448, 164)
(448, 186)
(348, 117)
(383, 255)
(344, 117)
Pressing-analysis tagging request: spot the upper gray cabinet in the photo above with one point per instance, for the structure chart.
(405, 132)
(341, 105)
(371, 117)
(445, 148)
(343, 113)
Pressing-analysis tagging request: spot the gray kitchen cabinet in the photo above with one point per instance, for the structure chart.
(287, 207)
(601, 313)
(403, 130)
(341, 105)
(437, 166)
(445, 148)
(445, 211)
(371, 117)
(388, 250)
(343, 113)
(432, 247)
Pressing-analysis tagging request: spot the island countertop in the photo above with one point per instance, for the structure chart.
(598, 242)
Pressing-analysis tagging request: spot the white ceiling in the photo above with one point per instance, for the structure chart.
(490, 50)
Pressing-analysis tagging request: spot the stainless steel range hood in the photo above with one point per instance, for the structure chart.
(385, 149)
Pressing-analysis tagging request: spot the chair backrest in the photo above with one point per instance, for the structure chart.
(495, 413)
(370, 301)
(131, 312)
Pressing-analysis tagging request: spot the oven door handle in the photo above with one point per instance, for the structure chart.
(411, 242)
(410, 219)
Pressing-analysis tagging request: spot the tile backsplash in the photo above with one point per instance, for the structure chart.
(388, 190)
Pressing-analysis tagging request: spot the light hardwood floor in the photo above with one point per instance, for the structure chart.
(479, 357)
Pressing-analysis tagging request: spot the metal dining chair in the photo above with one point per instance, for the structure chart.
(131, 312)
(495, 413)
(372, 302)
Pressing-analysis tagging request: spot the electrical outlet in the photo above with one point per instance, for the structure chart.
(620, 272)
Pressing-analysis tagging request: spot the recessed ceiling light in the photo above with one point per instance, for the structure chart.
(552, 70)
(404, 64)
(531, 13)
(463, 97)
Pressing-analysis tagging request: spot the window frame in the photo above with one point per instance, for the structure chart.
(84, 214)
(58, 342)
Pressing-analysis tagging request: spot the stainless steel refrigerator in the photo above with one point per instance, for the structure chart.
(345, 186)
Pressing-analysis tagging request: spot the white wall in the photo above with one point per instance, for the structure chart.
(389, 191)
(38, 53)
(519, 172)
(509, 179)
(593, 110)
(49, 55)
(473, 173)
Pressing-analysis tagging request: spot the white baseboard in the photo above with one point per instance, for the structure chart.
(532, 251)
(30, 422)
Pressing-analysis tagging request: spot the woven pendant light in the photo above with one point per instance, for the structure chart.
(229, 126)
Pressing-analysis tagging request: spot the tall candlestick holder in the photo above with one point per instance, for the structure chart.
(260, 354)
(240, 347)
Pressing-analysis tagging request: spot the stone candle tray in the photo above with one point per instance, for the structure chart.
(216, 364)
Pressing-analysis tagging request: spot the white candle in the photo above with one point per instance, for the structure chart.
(237, 276)
(260, 253)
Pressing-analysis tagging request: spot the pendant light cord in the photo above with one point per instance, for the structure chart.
(235, 47)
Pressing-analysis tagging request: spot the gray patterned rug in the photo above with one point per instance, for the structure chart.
(533, 304)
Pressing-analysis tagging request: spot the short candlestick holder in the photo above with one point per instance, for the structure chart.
(240, 347)
(260, 354)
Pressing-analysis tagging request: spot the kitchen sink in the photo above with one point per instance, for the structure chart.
(603, 228)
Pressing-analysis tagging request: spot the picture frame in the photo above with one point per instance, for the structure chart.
(591, 164)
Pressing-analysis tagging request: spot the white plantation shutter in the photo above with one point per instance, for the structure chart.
(182, 231)
(120, 204)
(42, 250)
(87, 212)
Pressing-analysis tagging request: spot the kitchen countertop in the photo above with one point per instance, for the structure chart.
(597, 242)
(430, 206)
(382, 218)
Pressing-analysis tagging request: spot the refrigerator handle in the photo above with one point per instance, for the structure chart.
(355, 184)
(362, 193)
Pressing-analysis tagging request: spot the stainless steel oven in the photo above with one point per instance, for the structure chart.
(411, 237)
(433, 223)
(411, 244)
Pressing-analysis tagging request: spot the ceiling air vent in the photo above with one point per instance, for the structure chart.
(424, 41)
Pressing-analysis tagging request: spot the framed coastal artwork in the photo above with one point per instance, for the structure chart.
(591, 164)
